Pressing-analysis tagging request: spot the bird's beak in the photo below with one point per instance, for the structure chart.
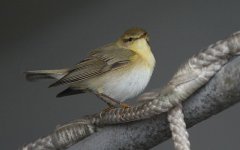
(146, 37)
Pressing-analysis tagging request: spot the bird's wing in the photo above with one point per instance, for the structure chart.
(98, 62)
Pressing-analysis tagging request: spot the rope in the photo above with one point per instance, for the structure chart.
(178, 128)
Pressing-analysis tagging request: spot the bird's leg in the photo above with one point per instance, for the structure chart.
(124, 105)
(112, 103)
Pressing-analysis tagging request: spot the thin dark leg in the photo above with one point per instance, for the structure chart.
(110, 101)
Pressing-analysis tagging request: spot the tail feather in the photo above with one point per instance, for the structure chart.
(70, 91)
(45, 74)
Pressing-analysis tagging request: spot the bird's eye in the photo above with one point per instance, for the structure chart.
(129, 39)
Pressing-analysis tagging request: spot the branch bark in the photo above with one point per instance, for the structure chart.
(220, 93)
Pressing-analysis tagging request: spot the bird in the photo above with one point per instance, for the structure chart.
(114, 72)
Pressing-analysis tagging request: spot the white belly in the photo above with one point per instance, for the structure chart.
(122, 86)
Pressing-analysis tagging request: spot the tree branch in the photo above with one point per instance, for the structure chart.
(220, 93)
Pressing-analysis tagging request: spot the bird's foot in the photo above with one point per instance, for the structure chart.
(120, 105)
(124, 105)
(111, 107)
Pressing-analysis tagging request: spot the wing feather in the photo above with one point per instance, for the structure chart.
(99, 61)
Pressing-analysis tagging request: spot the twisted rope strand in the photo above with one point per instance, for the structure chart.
(178, 128)
(63, 137)
(44, 143)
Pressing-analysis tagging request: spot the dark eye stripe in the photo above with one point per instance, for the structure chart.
(129, 39)
(134, 38)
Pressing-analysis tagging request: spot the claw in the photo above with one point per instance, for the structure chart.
(110, 107)
(124, 105)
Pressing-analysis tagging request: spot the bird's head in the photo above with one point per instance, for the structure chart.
(134, 39)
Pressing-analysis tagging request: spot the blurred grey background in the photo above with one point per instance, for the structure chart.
(38, 34)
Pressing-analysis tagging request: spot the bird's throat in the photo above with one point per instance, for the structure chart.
(142, 48)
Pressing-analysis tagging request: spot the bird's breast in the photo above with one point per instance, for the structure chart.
(126, 83)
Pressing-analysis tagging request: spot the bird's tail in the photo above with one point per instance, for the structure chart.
(45, 74)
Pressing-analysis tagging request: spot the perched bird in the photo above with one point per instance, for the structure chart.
(114, 72)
